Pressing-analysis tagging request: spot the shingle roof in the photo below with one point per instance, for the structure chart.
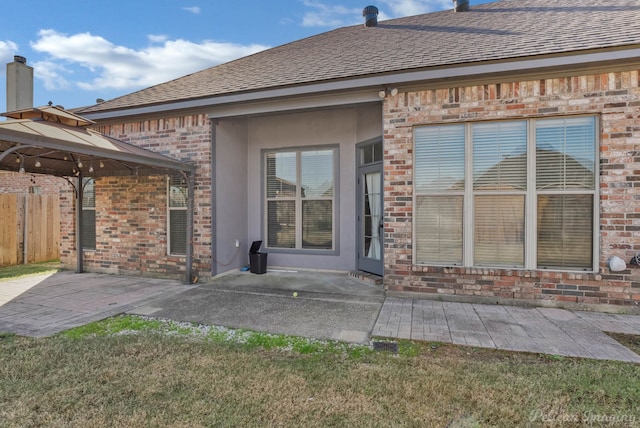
(502, 30)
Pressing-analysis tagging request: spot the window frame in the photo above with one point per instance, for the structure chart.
(86, 208)
(170, 209)
(298, 201)
(531, 198)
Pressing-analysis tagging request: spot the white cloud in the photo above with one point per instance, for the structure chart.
(326, 15)
(400, 8)
(119, 67)
(157, 38)
(193, 9)
(52, 75)
(7, 50)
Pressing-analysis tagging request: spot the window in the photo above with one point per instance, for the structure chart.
(515, 194)
(88, 214)
(177, 221)
(439, 179)
(565, 172)
(499, 190)
(300, 199)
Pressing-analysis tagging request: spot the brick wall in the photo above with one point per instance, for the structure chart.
(15, 182)
(614, 97)
(131, 212)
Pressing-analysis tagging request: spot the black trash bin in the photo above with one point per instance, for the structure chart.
(257, 260)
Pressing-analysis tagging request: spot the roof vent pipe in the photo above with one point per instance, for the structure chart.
(370, 14)
(460, 5)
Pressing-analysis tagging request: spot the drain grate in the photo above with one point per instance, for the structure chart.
(386, 347)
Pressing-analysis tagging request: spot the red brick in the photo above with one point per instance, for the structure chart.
(618, 198)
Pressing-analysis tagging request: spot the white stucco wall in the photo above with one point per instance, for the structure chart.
(230, 183)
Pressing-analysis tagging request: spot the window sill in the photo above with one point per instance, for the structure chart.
(500, 271)
(301, 252)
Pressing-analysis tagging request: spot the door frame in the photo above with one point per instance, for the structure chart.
(375, 267)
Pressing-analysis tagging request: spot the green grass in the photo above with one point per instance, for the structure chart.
(19, 271)
(133, 371)
(249, 340)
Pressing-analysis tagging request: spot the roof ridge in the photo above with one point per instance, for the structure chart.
(504, 30)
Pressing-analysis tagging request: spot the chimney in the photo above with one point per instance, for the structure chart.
(460, 5)
(19, 84)
(370, 14)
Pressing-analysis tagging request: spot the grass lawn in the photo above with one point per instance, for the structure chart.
(130, 371)
(18, 271)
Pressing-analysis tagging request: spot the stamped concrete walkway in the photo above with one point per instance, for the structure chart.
(44, 305)
(539, 330)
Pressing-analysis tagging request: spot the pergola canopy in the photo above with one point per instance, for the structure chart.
(50, 140)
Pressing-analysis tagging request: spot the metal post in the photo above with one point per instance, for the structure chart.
(79, 252)
(190, 208)
(25, 228)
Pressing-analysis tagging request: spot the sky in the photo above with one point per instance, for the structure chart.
(82, 50)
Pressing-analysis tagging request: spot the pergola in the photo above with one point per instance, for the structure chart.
(53, 141)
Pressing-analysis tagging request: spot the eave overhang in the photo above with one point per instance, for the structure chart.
(364, 89)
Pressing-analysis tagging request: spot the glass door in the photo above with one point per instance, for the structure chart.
(370, 209)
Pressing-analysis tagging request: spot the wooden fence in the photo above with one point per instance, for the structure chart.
(30, 218)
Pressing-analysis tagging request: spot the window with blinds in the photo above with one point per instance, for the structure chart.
(439, 188)
(300, 199)
(177, 217)
(506, 194)
(88, 214)
(566, 187)
(499, 188)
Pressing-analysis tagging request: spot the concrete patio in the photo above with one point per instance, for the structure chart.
(325, 306)
(43, 305)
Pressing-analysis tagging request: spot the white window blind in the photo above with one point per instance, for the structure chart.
(525, 189)
(565, 183)
(499, 184)
(439, 183)
(282, 191)
(177, 195)
(88, 214)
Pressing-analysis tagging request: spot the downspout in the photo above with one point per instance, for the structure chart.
(190, 207)
(214, 252)
(79, 252)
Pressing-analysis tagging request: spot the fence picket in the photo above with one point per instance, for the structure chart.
(42, 218)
